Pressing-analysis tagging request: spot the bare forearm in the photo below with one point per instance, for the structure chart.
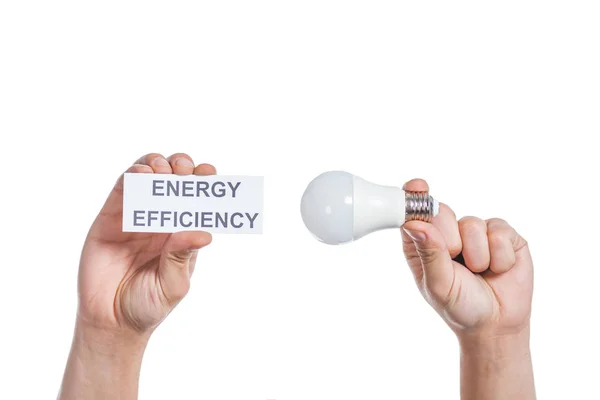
(102, 365)
(496, 368)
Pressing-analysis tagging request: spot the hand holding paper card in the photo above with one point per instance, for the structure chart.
(172, 203)
(130, 281)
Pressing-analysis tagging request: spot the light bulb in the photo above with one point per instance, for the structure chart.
(338, 207)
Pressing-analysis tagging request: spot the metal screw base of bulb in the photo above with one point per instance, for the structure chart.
(419, 206)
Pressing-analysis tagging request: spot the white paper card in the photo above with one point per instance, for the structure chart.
(172, 203)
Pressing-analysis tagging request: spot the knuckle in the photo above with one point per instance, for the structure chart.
(409, 249)
(150, 156)
(496, 222)
(178, 155)
(412, 258)
(447, 210)
(455, 249)
(470, 225)
(468, 218)
(428, 256)
(410, 253)
(135, 168)
(179, 258)
(520, 243)
(496, 238)
(139, 168)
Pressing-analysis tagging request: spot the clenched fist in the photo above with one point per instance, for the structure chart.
(478, 275)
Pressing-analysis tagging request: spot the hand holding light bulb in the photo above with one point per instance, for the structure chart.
(478, 275)
(496, 269)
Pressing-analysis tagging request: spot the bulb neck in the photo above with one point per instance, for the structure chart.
(419, 206)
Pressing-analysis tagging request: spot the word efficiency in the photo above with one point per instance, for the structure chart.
(196, 219)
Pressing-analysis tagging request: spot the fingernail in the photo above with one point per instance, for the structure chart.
(184, 162)
(160, 162)
(417, 236)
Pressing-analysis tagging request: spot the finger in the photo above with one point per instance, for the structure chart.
(136, 169)
(475, 249)
(205, 169)
(416, 185)
(504, 242)
(446, 222)
(438, 271)
(408, 246)
(412, 257)
(157, 162)
(174, 266)
(114, 202)
(181, 164)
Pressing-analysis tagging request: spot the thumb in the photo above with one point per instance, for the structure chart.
(174, 267)
(438, 271)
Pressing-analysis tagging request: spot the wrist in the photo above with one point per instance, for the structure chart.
(108, 343)
(496, 366)
(497, 347)
(103, 363)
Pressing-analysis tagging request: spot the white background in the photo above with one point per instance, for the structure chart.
(495, 103)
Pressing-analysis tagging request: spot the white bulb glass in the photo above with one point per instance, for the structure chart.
(338, 207)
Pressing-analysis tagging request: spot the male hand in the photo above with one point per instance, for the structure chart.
(128, 283)
(478, 276)
(132, 280)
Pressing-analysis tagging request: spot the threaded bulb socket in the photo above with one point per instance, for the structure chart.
(420, 206)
